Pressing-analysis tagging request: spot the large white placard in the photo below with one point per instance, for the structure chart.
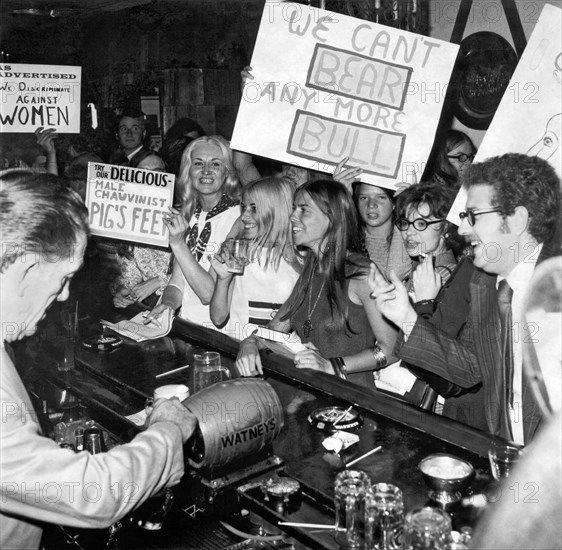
(327, 86)
(128, 203)
(529, 117)
(35, 96)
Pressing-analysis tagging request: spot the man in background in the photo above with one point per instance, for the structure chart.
(131, 133)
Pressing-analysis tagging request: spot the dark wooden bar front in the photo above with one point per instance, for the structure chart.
(115, 384)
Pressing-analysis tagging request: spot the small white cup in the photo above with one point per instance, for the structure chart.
(181, 391)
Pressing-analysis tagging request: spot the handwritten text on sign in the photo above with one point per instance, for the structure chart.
(539, 113)
(34, 96)
(128, 203)
(341, 87)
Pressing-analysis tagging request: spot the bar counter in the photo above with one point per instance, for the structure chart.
(113, 385)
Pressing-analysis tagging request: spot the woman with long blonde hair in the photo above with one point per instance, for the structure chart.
(272, 268)
(208, 192)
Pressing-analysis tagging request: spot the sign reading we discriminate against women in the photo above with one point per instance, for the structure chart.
(127, 203)
(35, 96)
(327, 86)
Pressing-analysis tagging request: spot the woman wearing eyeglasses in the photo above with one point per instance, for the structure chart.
(452, 156)
(437, 290)
(421, 219)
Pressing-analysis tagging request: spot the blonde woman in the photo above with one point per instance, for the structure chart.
(272, 270)
(209, 193)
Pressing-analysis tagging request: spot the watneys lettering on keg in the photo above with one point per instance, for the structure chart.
(248, 434)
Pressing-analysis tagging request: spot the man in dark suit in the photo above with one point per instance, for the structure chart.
(512, 209)
(131, 133)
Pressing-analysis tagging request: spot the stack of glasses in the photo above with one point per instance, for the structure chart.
(371, 516)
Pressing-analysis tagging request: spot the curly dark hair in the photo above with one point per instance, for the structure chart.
(439, 199)
(521, 180)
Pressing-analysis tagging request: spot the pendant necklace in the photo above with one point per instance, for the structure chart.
(307, 325)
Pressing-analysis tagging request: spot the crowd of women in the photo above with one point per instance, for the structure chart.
(310, 241)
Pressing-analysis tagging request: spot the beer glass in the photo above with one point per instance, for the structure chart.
(350, 488)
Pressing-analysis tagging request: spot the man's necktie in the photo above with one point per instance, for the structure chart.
(505, 294)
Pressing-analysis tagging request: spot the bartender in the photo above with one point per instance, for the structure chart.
(43, 232)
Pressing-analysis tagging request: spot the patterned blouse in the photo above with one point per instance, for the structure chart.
(143, 263)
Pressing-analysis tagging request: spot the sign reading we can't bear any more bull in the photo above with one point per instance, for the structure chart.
(35, 96)
(127, 203)
(327, 86)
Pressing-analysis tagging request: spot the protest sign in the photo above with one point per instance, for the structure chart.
(35, 96)
(529, 117)
(327, 86)
(127, 203)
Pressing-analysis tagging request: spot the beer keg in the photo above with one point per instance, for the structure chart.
(236, 418)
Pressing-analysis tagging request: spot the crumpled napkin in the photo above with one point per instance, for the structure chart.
(395, 378)
(339, 441)
(136, 330)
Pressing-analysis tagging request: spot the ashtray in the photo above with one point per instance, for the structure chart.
(446, 476)
(331, 419)
(284, 494)
(102, 342)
